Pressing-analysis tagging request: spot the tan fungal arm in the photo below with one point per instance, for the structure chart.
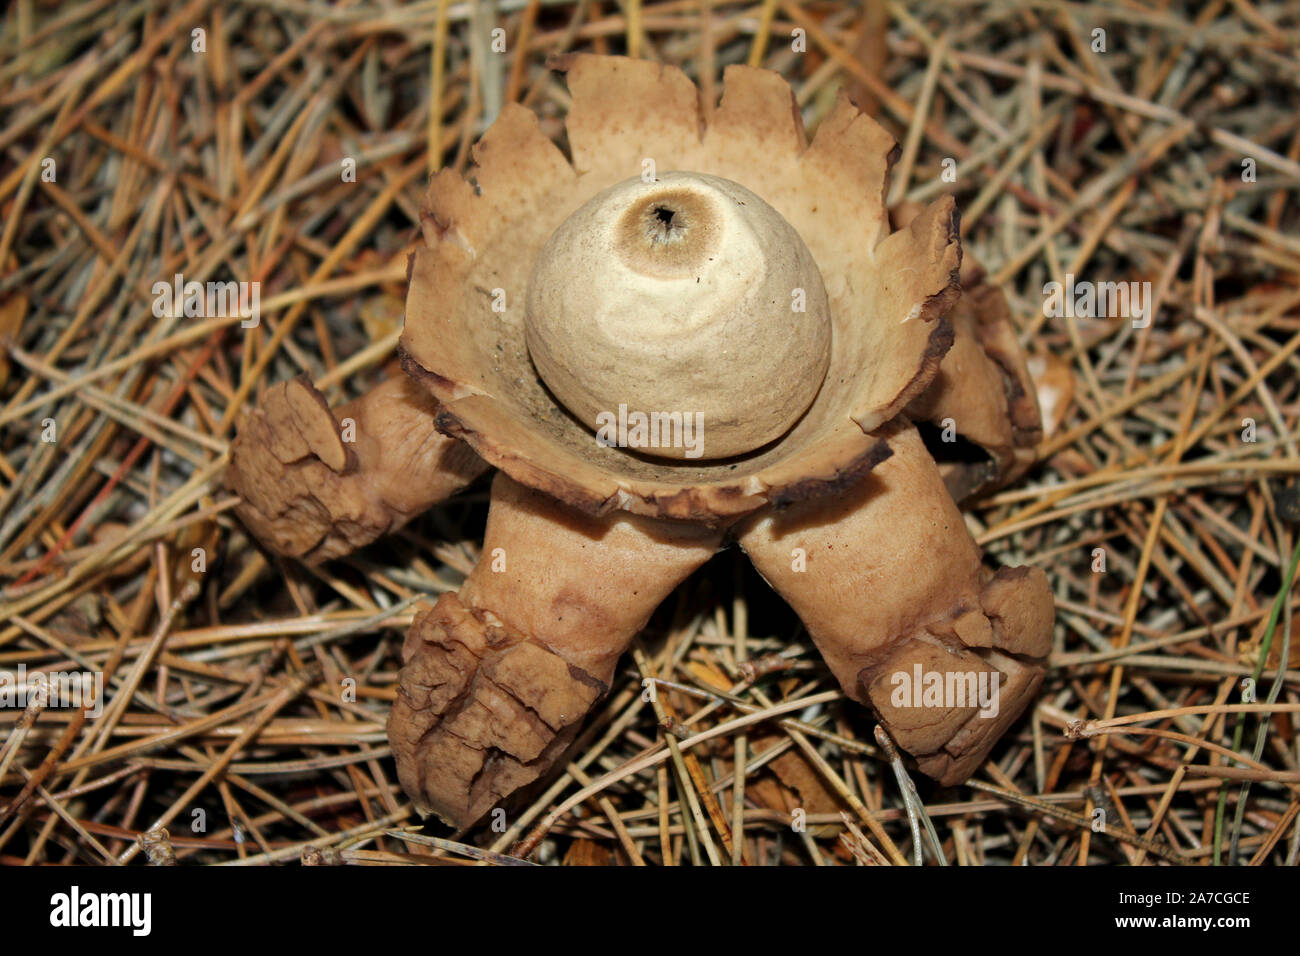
(887, 579)
(317, 484)
(983, 391)
(496, 679)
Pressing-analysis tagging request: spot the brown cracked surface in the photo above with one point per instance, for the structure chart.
(886, 578)
(480, 711)
(317, 484)
(496, 679)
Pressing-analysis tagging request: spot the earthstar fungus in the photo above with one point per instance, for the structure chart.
(678, 264)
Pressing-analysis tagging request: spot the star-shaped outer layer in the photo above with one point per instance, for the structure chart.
(847, 516)
(888, 292)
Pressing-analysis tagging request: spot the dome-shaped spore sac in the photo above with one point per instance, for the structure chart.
(687, 305)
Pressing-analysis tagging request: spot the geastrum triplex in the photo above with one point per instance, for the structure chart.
(690, 332)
